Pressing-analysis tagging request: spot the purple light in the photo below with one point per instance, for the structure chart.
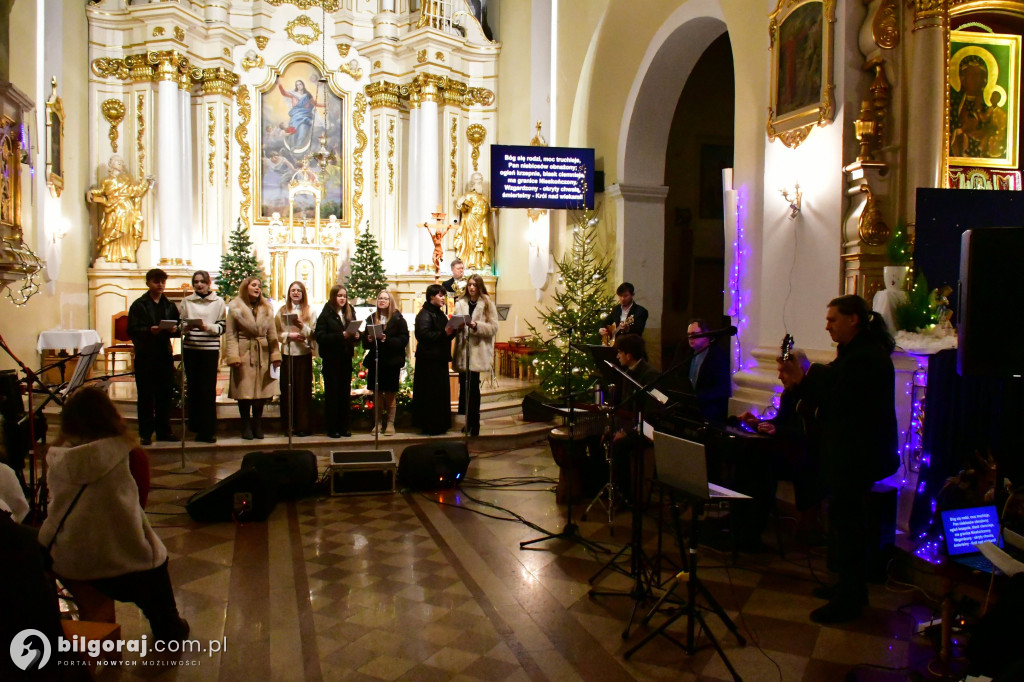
(738, 297)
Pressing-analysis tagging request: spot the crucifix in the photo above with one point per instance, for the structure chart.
(436, 235)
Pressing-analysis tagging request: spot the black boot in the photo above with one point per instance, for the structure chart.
(257, 419)
(247, 433)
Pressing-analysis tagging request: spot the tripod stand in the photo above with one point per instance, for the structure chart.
(694, 587)
(185, 467)
(608, 495)
(571, 531)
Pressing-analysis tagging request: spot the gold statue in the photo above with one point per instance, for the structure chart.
(472, 237)
(121, 222)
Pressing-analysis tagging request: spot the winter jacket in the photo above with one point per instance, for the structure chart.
(252, 341)
(481, 339)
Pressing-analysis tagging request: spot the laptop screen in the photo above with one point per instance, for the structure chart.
(965, 528)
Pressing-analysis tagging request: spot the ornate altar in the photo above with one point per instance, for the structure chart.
(304, 249)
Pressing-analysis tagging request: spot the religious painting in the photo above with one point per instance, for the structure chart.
(292, 121)
(714, 158)
(801, 34)
(983, 99)
(55, 142)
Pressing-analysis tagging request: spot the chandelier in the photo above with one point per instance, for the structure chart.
(322, 157)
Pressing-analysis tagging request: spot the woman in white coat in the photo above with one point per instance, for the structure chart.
(478, 335)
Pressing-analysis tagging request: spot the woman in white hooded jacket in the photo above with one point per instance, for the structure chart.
(96, 530)
(479, 336)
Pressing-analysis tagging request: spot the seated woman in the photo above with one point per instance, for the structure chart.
(96, 530)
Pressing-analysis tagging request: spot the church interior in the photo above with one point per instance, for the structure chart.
(754, 162)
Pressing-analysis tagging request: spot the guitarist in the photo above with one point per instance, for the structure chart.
(629, 317)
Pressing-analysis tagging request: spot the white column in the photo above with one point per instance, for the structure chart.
(186, 170)
(927, 85)
(168, 169)
(428, 179)
(411, 181)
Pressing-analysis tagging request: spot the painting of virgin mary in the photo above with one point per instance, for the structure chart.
(296, 109)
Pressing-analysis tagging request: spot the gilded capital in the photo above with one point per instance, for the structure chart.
(929, 9)
(168, 65)
(387, 95)
(217, 81)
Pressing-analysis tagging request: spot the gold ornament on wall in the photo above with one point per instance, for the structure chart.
(421, 57)
(358, 112)
(870, 226)
(476, 134)
(261, 41)
(55, 141)
(439, 56)
(251, 60)
(113, 111)
(454, 138)
(179, 33)
(227, 145)
(391, 156)
(885, 27)
(226, 52)
(376, 155)
(109, 67)
(140, 131)
(210, 132)
(302, 30)
(328, 5)
(343, 49)
(158, 31)
(244, 151)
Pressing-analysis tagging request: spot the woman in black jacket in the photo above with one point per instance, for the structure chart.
(337, 347)
(383, 372)
(850, 406)
(431, 392)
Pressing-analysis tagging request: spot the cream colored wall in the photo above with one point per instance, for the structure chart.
(62, 301)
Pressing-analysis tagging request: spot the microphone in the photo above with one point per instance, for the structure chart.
(725, 331)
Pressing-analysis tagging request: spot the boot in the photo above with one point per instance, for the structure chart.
(247, 427)
(257, 419)
(389, 425)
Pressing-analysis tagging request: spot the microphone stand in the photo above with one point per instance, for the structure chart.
(376, 386)
(185, 467)
(571, 531)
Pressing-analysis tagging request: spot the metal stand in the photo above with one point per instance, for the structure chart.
(376, 384)
(571, 531)
(185, 467)
(608, 495)
(694, 613)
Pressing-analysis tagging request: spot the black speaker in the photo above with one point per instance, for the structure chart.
(290, 474)
(433, 466)
(989, 258)
(244, 495)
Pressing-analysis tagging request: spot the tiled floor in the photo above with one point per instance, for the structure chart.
(419, 587)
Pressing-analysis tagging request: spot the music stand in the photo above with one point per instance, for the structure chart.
(685, 473)
(185, 467)
(640, 567)
(87, 356)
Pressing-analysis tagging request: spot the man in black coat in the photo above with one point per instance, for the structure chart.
(629, 317)
(707, 374)
(851, 407)
(154, 360)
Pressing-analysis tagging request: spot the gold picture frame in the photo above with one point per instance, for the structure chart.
(278, 158)
(54, 141)
(801, 45)
(987, 134)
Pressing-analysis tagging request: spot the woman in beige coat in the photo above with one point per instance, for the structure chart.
(251, 350)
(479, 336)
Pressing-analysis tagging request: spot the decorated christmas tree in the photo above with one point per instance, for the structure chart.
(367, 276)
(238, 263)
(898, 249)
(582, 299)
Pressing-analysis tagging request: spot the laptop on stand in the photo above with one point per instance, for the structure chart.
(971, 535)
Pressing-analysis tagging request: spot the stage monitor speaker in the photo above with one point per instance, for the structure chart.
(989, 258)
(290, 474)
(433, 466)
(242, 496)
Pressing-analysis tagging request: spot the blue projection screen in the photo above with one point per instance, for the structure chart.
(541, 177)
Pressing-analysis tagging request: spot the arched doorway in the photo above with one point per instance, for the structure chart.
(639, 198)
(700, 145)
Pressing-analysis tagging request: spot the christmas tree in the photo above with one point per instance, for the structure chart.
(367, 277)
(898, 250)
(238, 263)
(581, 300)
